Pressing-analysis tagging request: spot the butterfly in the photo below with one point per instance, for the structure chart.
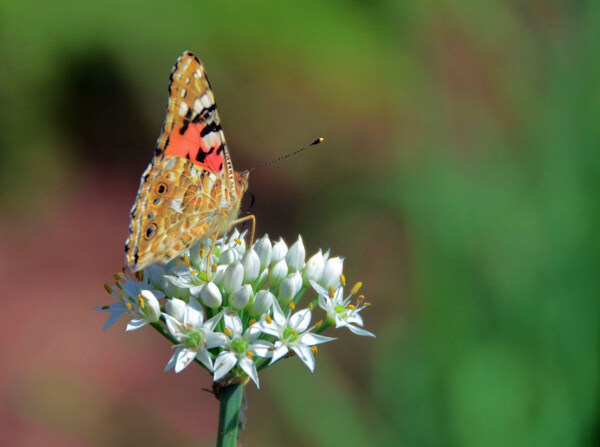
(189, 192)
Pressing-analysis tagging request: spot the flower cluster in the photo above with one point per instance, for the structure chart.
(233, 308)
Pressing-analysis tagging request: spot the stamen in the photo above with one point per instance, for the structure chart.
(130, 306)
(343, 280)
(227, 332)
(141, 301)
(367, 303)
(230, 313)
(351, 306)
(269, 319)
(311, 306)
(119, 286)
(105, 307)
(319, 324)
(213, 268)
(193, 272)
(186, 259)
(108, 288)
(251, 322)
(238, 240)
(314, 349)
(356, 288)
(202, 252)
(292, 305)
(139, 275)
(249, 355)
(118, 276)
(331, 292)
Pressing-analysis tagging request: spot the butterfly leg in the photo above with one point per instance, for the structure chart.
(212, 248)
(245, 218)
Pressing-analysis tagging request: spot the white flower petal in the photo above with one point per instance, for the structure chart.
(135, 324)
(234, 323)
(278, 315)
(184, 358)
(205, 358)
(300, 320)
(249, 368)
(223, 364)
(279, 352)
(214, 339)
(310, 339)
(176, 308)
(359, 331)
(305, 354)
(262, 348)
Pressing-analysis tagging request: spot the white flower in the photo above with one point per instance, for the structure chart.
(251, 263)
(289, 288)
(136, 299)
(331, 273)
(279, 251)
(233, 278)
(240, 348)
(293, 333)
(295, 256)
(263, 250)
(228, 256)
(340, 310)
(241, 297)
(314, 267)
(263, 300)
(195, 335)
(278, 272)
(210, 295)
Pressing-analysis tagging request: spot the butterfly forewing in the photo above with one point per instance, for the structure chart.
(189, 191)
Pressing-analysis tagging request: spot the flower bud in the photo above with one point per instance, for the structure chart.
(233, 277)
(262, 303)
(263, 250)
(278, 272)
(331, 272)
(228, 256)
(211, 295)
(251, 264)
(295, 256)
(176, 308)
(314, 267)
(241, 297)
(279, 251)
(289, 288)
(217, 277)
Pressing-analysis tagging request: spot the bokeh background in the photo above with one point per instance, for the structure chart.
(459, 178)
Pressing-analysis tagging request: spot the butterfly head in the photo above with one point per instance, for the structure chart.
(241, 183)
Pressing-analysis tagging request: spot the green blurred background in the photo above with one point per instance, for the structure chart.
(459, 178)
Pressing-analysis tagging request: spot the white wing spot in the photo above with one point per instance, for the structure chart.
(183, 92)
(183, 108)
(198, 106)
(188, 80)
(206, 101)
(198, 73)
(176, 205)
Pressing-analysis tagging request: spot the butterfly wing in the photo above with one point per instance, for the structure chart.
(179, 200)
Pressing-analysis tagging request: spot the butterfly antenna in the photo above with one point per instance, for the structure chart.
(267, 163)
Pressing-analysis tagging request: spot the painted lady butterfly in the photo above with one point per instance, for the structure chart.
(189, 191)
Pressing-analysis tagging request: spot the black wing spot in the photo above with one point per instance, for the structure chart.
(186, 123)
(210, 128)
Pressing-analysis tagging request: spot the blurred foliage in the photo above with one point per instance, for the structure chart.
(460, 179)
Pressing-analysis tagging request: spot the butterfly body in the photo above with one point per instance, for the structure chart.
(189, 191)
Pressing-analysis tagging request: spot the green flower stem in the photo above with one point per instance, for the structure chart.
(230, 398)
